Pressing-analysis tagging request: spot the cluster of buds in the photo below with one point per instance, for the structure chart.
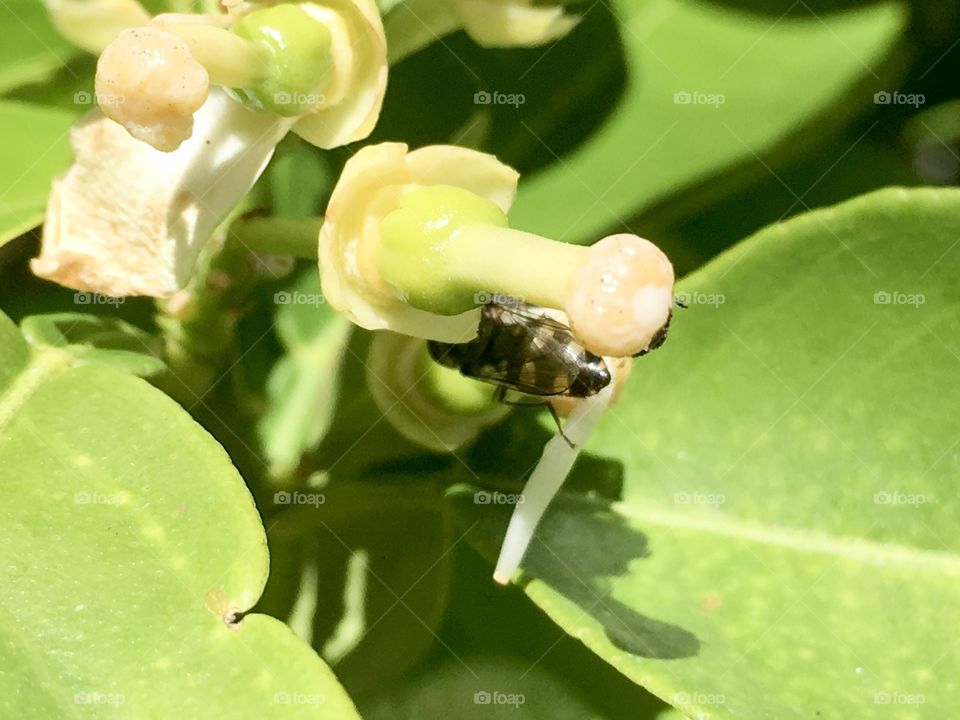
(191, 109)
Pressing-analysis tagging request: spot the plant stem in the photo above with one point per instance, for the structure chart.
(278, 235)
(198, 323)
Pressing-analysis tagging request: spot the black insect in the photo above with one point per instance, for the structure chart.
(521, 348)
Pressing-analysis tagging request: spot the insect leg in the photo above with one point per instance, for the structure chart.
(556, 419)
(500, 396)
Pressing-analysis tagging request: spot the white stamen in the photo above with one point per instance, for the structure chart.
(545, 481)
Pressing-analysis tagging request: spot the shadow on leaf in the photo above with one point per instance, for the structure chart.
(578, 547)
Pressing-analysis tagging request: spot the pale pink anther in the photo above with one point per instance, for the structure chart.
(620, 295)
(148, 81)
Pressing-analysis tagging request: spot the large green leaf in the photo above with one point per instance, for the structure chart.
(130, 548)
(371, 604)
(786, 543)
(784, 80)
(32, 49)
(36, 149)
(485, 688)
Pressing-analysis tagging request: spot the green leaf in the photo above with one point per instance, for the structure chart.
(129, 549)
(485, 620)
(29, 164)
(786, 541)
(32, 49)
(299, 179)
(70, 88)
(484, 688)
(767, 88)
(97, 340)
(365, 573)
(302, 385)
(866, 163)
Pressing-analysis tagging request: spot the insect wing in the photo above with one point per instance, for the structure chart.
(534, 353)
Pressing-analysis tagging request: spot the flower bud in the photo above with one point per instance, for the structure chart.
(93, 24)
(427, 403)
(371, 186)
(349, 105)
(513, 23)
(414, 24)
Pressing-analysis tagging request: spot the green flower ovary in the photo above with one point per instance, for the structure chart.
(418, 253)
(301, 62)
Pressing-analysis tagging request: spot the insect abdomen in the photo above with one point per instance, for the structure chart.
(532, 354)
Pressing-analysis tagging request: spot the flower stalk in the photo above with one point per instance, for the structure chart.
(296, 237)
(198, 323)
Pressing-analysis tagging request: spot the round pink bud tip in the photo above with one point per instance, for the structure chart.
(148, 81)
(620, 296)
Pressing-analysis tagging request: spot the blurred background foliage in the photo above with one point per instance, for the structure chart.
(798, 129)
